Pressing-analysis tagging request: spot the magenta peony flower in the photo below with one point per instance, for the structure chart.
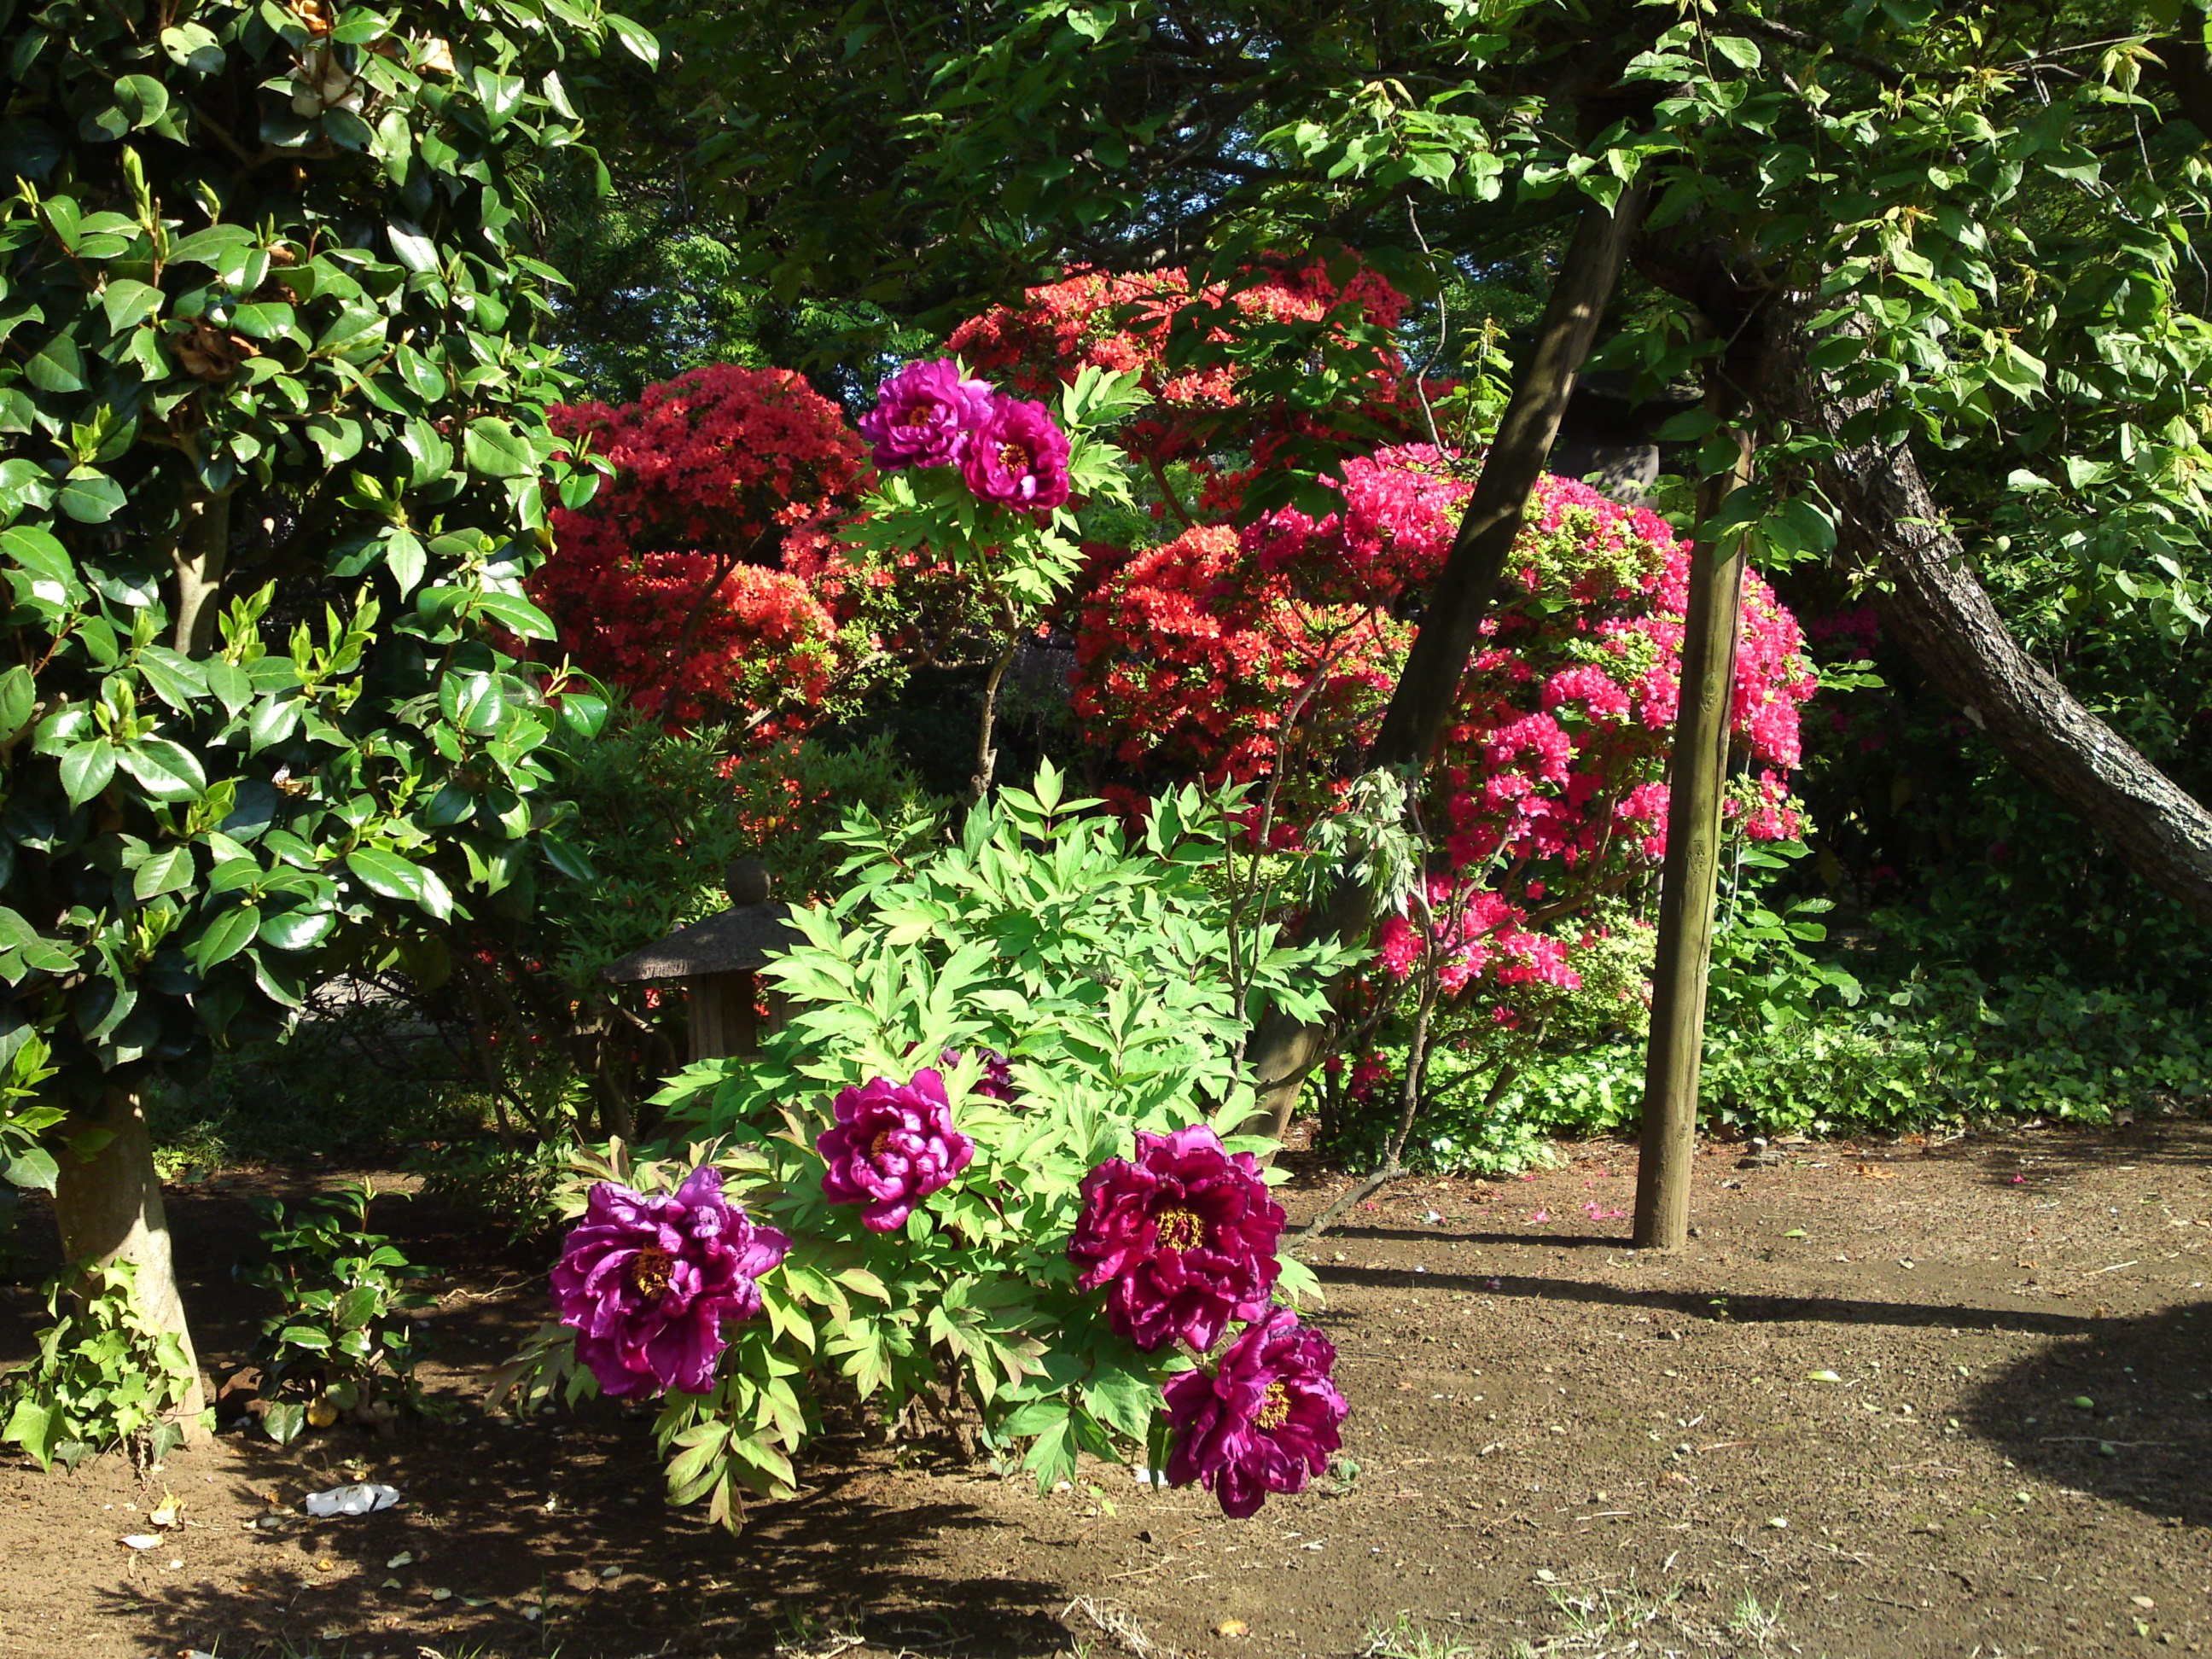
(1185, 1236)
(1018, 455)
(997, 1082)
(649, 1281)
(1263, 1420)
(893, 1145)
(924, 415)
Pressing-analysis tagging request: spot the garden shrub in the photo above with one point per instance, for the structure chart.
(105, 1376)
(674, 581)
(1797, 1043)
(1094, 963)
(545, 1044)
(1270, 651)
(343, 1342)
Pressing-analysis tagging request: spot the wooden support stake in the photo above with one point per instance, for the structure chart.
(1690, 874)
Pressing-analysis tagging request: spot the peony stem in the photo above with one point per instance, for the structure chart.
(987, 758)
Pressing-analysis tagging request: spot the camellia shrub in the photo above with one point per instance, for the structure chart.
(983, 1168)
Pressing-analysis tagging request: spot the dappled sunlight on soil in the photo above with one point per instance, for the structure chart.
(1893, 1399)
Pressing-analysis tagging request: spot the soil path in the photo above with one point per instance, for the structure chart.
(1893, 1401)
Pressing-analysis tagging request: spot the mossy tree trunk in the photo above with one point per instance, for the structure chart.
(108, 1203)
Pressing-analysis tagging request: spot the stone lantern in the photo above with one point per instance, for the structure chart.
(718, 960)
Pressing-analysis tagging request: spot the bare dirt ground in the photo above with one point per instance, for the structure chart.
(1893, 1399)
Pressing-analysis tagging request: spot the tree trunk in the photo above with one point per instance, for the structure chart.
(1937, 609)
(1284, 1049)
(1696, 769)
(109, 1209)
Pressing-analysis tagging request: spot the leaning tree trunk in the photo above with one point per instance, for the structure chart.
(1286, 1048)
(1937, 609)
(109, 1207)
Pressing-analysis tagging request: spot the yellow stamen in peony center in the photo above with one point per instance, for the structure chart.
(650, 1271)
(1178, 1230)
(1274, 1407)
(876, 1146)
(1013, 456)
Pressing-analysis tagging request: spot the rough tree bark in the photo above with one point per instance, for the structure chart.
(1285, 1050)
(1937, 608)
(108, 1205)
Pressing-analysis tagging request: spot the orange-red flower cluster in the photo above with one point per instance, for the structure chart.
(678, 581)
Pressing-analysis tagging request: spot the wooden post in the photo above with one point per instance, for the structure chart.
(1691, 872)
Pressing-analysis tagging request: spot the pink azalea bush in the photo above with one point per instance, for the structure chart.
(1549, 791)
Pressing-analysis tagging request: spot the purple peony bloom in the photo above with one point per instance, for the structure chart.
(924, 415)
(1185, 1236)
(1263, 1420)
(1017, 456)
(893, 1145)
(648, 1281)
(997, 1082)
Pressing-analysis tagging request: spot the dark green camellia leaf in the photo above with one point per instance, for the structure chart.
(386, 872)
(583, 713)
(298, 930)
(231, 932)
(18, 696)
(33, 1168)
(193, 46)
(87, 769)
(495, 449)
(166, 872)
(517, 614)
(165, 769)
(18, 938)
(231, 685)
(89, 497)
(142, 99)
(570, 861)
(126, 301)
(56, 366)
(177, 681)
(406, 558)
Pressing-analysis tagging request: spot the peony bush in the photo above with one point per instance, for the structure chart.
(985, 1170)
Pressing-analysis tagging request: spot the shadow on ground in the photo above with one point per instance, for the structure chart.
(555, 1537)
(2116, 1409)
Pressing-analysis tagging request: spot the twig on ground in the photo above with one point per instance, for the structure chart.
(1124, 1628)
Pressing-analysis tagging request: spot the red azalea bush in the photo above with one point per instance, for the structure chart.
(1226, 386)
(694, 579)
